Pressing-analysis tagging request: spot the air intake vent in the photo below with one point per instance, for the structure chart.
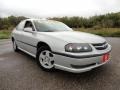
(100, 46)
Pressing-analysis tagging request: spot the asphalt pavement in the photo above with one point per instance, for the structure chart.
(19, 71)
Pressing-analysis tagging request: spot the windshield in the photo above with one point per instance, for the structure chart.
(50, 26)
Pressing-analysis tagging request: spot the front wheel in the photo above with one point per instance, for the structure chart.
(45, 58)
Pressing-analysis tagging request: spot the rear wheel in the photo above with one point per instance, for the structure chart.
(15, 48)
(45, 58)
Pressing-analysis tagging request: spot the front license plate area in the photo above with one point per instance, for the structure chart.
(105, 57)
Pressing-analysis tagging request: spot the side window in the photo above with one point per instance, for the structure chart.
(20, 26)
(28, 24)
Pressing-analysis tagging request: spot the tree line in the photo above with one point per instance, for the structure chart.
(110, 20)
(10, 22)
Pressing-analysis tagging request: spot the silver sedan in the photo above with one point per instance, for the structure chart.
(55, 45)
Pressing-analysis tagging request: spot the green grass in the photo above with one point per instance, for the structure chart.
(5, 34)
(106, 32)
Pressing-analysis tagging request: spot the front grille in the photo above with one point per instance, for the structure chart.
(100, 46)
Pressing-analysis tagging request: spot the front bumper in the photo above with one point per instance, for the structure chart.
(78, 64)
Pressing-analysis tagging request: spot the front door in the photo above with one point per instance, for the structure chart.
(29, 38)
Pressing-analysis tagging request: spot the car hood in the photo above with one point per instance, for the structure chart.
(76, 37)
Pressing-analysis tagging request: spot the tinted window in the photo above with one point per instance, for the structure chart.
(28, 24)
(20, 26)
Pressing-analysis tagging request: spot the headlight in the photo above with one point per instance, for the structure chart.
(78, 47)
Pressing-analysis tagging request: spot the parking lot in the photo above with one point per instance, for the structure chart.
(19, 71)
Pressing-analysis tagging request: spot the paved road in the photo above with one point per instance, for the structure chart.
(18, 71)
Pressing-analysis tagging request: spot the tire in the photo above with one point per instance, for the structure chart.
(45, 58)
(15, 47)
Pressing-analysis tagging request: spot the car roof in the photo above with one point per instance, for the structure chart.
(43, 19)
(36, 19)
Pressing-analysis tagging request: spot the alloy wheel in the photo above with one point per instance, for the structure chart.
(46, 59)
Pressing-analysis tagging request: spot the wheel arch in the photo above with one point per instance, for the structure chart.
(41, 43)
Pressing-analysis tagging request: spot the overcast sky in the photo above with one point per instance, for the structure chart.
(55, 8)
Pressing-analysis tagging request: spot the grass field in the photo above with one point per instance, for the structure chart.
(5, 34)
(106, 32)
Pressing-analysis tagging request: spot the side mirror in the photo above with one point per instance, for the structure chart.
(28, 29)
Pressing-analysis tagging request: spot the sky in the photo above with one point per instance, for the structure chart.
(57, 8)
